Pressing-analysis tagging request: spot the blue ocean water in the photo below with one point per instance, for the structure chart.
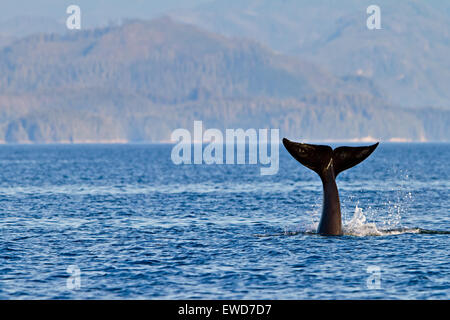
(136, 226)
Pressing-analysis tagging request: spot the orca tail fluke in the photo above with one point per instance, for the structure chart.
(328, 163)
(314, 157)
(346, 157)
(320, 158)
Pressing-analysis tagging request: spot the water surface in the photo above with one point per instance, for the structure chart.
(139, 227)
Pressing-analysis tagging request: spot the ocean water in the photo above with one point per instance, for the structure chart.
(124, 222)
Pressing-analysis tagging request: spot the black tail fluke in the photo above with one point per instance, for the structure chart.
(346, 157)
(315, 157)
(320, 158)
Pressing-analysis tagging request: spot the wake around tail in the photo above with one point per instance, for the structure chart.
(321, 158)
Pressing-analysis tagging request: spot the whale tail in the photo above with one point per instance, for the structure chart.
(328, 163)
(321, 158)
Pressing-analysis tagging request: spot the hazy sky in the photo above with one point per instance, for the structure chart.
(94, 12)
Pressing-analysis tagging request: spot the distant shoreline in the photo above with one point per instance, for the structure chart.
(205, 143)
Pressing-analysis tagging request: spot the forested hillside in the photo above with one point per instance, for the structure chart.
(143, 79)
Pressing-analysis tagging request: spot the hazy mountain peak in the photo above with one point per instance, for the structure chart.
(409, 58)
(140, 80)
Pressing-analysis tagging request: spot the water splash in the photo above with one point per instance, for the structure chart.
(358, 225)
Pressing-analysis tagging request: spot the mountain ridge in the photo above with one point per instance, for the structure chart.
(139, 81)
(409, 57)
